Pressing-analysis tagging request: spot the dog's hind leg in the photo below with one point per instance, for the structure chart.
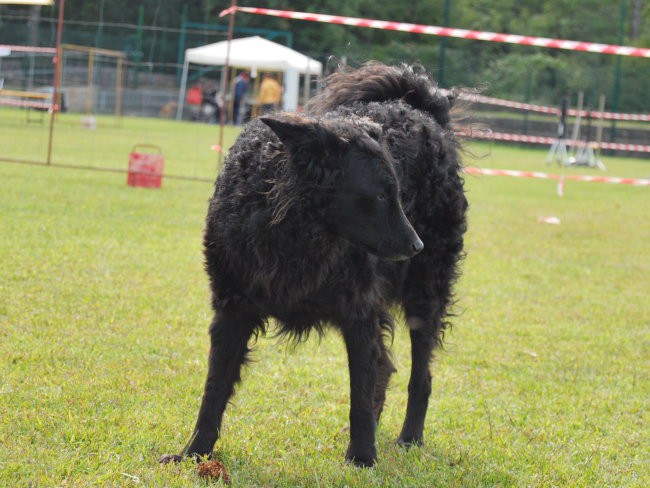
(427, 296)
(229, 335)
(363, 344)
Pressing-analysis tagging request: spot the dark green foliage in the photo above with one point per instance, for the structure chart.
(537, 75)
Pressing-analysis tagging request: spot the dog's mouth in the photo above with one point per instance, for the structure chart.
(384, 252)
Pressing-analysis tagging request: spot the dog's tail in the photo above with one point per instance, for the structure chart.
(376, 82)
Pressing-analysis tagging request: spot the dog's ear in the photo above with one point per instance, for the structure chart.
(311, 146)
(295, 131)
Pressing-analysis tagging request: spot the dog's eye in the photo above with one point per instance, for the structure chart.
(381, 197)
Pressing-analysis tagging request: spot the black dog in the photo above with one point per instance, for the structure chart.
(332, 218)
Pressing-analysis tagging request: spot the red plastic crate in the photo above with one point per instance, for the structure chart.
(145, 169)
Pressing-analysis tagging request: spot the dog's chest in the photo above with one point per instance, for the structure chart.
(324, 289)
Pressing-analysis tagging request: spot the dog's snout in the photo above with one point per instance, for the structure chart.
(417, 246)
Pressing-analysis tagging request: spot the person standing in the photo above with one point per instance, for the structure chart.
(241, 84)
(270, 93)
(193, 99)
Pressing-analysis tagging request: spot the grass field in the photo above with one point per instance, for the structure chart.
(104, 310)
(185, 146)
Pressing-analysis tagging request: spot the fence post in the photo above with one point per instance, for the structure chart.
(529, 82)
(443, 44)
(617, 77)
(56, 102)
(182, 39)
(138, 44)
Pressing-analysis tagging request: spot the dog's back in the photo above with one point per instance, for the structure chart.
(376, 82)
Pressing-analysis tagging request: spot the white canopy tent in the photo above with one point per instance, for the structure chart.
(254, 53)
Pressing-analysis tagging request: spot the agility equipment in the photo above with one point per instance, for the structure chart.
(558, 150)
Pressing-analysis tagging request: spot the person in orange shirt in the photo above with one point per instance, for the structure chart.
(194, 98)
(270, 93)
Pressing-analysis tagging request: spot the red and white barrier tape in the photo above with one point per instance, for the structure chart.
(25, 103)
(29, 49)
(500, 136)
(475, 98)
(552, 110)
(550, 176)
(450, 32)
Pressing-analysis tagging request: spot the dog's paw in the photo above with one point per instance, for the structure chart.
(170, 459)
(409, 442)
(361, 459)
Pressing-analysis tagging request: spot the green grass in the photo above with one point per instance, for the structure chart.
(104, 309)
(186, 146)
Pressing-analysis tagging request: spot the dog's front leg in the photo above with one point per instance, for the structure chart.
(362, 342)
(229, 334)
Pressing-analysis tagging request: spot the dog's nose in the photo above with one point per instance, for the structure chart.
(417, 246)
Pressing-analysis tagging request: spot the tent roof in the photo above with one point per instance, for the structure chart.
(254, 52)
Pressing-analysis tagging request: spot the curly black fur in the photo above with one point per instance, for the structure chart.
(376, 82)
(403, 100)
(313, 221)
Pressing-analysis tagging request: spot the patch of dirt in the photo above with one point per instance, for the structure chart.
(213, 470)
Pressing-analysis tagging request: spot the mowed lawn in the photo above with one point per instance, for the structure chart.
(104, 310)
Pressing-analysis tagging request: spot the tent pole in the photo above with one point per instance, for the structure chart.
(307, 80)
(226, 85)
(181, 91)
